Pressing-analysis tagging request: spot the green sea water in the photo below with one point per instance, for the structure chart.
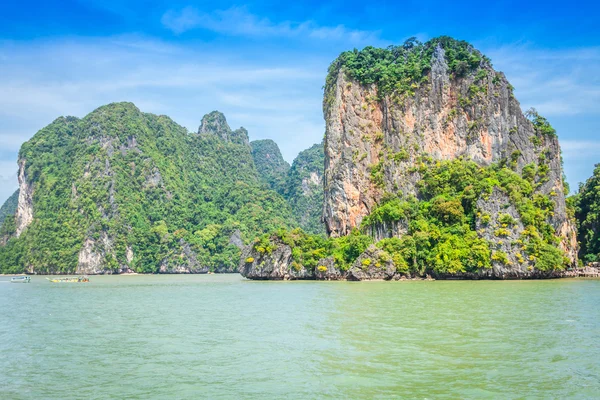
(220, 336)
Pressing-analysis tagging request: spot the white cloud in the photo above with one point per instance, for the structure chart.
(563, 85)
(11, 142)
(8, 169)
(577, 149)
(560, 82)
(279, 99)
(274, 95)
(8, 179)
(237, 21)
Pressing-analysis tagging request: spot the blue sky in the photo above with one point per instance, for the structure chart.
(263, 63)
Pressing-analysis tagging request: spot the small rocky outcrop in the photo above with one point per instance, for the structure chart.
(215, 123)
(327, 271)
(271, 265)
(373, 264)
(279, 264)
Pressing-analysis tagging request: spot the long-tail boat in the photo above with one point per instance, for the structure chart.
(77, 279)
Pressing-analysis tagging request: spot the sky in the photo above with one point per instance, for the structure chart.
(263, 64)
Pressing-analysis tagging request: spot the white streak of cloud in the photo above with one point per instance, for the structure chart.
(237, 21)
(578, 149)
(279, 99)
(8, 179)
(561, 82)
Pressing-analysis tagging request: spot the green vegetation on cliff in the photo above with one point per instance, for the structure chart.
(441, 225)
(271, 167)
(443, 222)
(304, 189)
(9, 207)
(142, 192)
(308, 249)
(587, 213)
(417, 160)
(402, 69)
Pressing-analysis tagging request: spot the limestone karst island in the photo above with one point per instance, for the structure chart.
(299, 200)
(428, 168)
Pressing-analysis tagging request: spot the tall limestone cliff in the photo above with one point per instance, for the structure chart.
(431, 169)
(121, 190)
(389, 111)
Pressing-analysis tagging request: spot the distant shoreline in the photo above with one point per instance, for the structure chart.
(123, 274)
(589, 273)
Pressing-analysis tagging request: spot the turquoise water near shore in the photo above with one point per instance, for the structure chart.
(221, 336)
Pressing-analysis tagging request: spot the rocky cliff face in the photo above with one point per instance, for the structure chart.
(24, 214)
(375, 138)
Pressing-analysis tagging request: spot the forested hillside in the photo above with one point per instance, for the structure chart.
(271, 167)
(121, 190)
(9, 207)
(304, 189)
(587, 213)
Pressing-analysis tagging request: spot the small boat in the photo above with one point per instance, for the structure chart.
(20, 279)
(77, 279)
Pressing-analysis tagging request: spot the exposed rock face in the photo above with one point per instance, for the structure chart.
(388, 230)
(505, 235)
(91, 260)
(280, 265)
(24, 214)
(327, 271)
(474, 116)
(236, 239)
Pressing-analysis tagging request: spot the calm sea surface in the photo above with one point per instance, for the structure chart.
(220, 336)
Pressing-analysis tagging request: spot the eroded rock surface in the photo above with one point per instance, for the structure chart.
(24, 214)
(372, 265)
(276, 265)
